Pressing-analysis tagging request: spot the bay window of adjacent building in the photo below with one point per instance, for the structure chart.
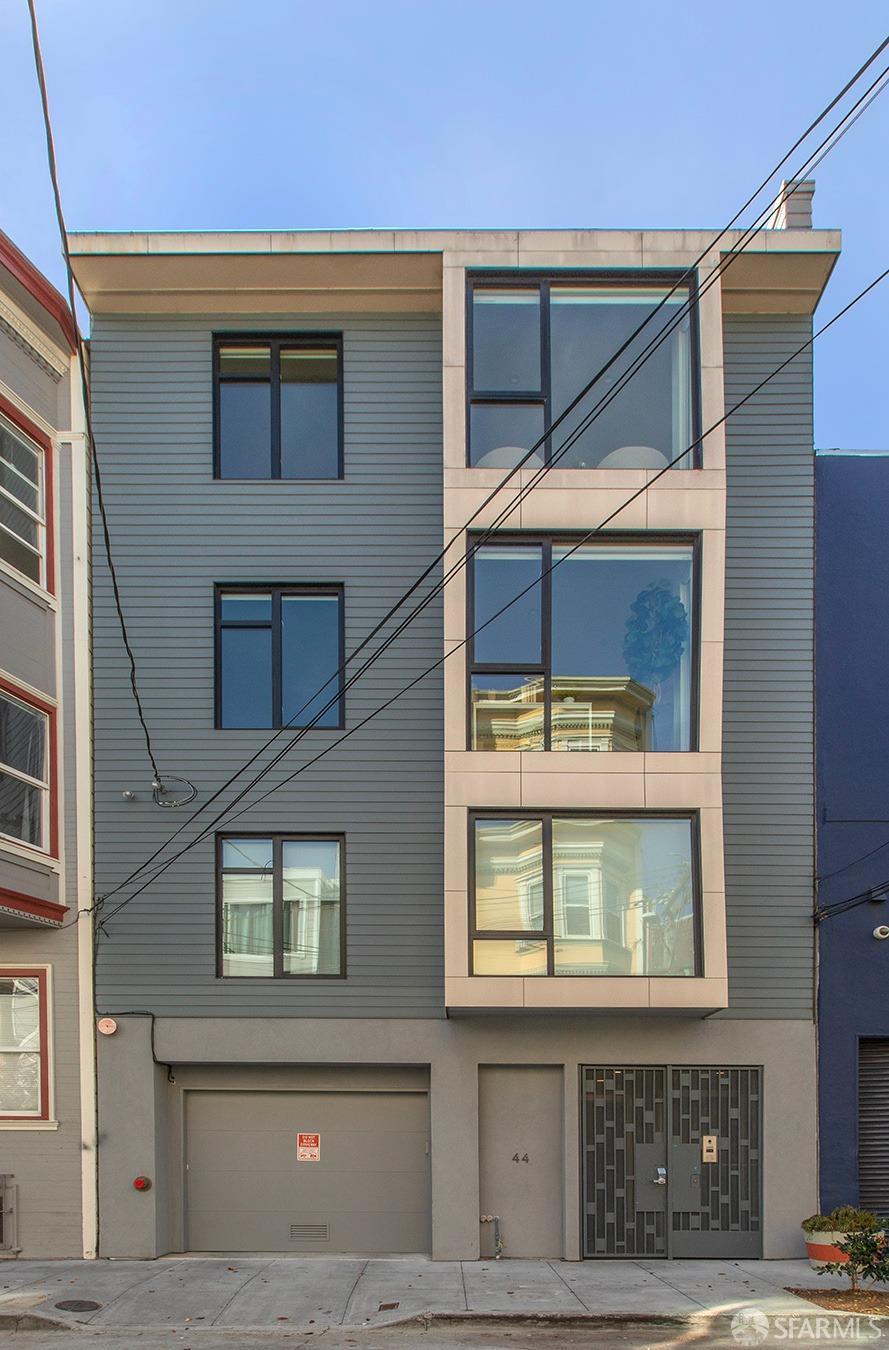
(535, 341)
(279, 650)
(597, 652)
(278, 405)
(563, 893)
(24, 772)
(22, 505)
(24, 1032)
(281, 905)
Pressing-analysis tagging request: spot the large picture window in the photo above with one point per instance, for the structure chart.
(22, 505)
(279, 653)
(535, 341)
(24, 1062)
(24, 772)
(281, 905)
(598, 655)
(278, 405)
(570, 894)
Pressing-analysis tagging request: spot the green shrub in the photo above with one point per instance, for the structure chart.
(868, 1254)
(844, 1219)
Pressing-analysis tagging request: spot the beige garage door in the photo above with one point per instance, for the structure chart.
(363, 1187)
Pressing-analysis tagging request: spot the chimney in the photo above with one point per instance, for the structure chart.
(792, 209)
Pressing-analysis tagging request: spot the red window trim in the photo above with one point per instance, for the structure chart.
(34, 701)
(38, 974)
(40, 438)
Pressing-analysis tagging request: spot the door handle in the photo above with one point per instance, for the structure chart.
(661, 1178)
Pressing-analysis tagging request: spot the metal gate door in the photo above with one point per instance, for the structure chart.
(672, 1161)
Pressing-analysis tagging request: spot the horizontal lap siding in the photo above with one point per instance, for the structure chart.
(768, 714)
(175, 533)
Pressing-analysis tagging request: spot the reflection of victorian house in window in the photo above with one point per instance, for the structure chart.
(590, 712)
(573, 895)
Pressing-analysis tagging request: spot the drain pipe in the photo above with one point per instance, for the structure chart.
(498, 1240)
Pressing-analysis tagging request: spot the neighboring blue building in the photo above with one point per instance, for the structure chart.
(852, 703)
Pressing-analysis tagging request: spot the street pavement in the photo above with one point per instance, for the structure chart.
(317, 1295)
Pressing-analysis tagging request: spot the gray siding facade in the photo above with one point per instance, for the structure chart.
(176, 533)
(768, 735)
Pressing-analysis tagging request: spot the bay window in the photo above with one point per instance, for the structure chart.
(24, 772)
(22, 505)
(561, 893)
(598, 653)
(533, 343)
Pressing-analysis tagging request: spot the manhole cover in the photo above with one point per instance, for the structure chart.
(78, 1305)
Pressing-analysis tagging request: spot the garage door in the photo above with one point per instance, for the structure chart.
(363, 1188)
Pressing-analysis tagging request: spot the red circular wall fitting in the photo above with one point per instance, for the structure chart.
(142, 1183)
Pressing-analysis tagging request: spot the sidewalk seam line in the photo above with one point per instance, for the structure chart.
(573, 1292)
(463, 1282)
(674, 1287)
(241, 1289)
(358, 1278)
(138, 1285)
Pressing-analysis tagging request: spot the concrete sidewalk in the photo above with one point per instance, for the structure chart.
(317, 1293)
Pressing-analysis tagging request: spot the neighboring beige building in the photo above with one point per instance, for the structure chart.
(47, 1132)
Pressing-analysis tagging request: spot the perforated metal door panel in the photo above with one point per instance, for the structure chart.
(624, 1142)
(647, 1190)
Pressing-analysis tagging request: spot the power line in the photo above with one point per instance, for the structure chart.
(87, 408)
(585, 422)
(537, 581)
(826, 876)
(877, 894)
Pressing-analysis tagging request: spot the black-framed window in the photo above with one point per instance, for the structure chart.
(278, 404)
(281, 905)
(570, 893)
(535, 340)
(600, 654)
(279, 654)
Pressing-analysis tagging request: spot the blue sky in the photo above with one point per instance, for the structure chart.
(224, 114)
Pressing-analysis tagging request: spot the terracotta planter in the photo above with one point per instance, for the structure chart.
(822, 1247)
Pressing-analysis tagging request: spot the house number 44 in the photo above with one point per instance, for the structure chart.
(523, 1158)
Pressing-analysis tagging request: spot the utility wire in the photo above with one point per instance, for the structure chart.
(826, 876)
(877, 894)
(586, 421)
(87, 408)
(537, 581)
(541, 472)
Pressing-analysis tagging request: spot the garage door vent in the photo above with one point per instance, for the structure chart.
(310, 1232)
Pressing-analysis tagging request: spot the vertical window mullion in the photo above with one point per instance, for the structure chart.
(546, 644)
(275, 373)
(548, 908)
(277, 659)
(277, 906)
(545, 367)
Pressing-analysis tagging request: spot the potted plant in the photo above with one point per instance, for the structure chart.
(825, 1234)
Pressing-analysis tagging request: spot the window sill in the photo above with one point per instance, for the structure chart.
(27, 853)
(24, 1124)
(31, 589)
